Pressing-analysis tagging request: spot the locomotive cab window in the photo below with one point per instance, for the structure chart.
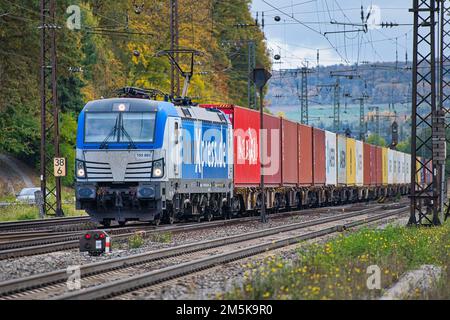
(139, 126)
(120, 127)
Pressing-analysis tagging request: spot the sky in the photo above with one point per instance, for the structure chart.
(300, 32)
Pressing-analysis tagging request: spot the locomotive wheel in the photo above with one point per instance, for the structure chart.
(157, 221)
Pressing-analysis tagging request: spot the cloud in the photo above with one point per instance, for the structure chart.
(293, 56)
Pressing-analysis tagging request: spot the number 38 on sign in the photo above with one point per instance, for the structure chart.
(59, 167)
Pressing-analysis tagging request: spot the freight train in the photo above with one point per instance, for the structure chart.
(147, 160)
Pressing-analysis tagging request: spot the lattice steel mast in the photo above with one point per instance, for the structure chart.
(174, 45)
(444, 96)
(425, 195)
(51, 190)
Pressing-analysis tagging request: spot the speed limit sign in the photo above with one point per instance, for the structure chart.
(59, 167)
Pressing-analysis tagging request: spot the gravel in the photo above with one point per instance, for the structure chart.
(31, 265)
(211, 283)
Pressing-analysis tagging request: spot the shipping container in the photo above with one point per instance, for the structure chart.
(379, 166)
(385, 166)
(246, 143)
(305, 155)
(394, 167)
(429, 172)
(407, 178)
(331, 169)
(289, 147)
(351, 162)
(342, 160)
(272, 159)
(368, 164)
(391, 163)
(319, 159)
(401, 167)
(419, 173)
(359, 151)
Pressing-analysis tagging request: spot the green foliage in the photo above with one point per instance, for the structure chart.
(337, 269)
(405, 146)
(376, 140)
(136, 241)
(107, 61)
(162, 237)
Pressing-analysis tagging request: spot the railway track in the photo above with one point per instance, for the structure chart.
(117, 276)
(41, 242)
(43, 223)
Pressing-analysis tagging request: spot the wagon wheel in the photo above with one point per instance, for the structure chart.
(298, 200)
(236, 204)
(157, 220)
(170, 215)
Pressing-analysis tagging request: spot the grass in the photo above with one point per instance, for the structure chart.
(136, 241)
(28, 212)
(338, 269)
(161, 237)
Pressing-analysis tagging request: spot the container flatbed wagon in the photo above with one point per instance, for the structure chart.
(315, 167)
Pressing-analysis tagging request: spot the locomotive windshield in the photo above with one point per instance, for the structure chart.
(120, 127)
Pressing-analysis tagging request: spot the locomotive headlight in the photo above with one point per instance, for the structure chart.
(80, 170)
(80, 173)
(158, 169)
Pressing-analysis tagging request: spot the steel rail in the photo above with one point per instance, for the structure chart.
(36, 281)
(14, 225)
(40, 245)
(118, 287)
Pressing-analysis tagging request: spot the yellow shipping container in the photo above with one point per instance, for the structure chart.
(385, 165)
(351, 162)
(418, 174)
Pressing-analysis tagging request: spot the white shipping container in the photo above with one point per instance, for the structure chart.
(391, 163)
(359, 163)
(401, 160)
(407, 178)
(331, 157)
(342, 160)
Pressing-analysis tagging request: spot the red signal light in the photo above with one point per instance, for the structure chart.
(101, 236)
(87, 236)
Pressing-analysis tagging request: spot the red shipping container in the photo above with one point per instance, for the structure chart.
(305, 155)
(319, 160)
(246, 143)
(379, 166)
(272, 166)
(289, 147)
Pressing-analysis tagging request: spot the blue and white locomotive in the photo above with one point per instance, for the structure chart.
(148, 160)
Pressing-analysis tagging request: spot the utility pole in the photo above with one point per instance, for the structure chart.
(304, 101)
(336, 103)
(362, 125)
(174, 45)
(51, 192)
(251, 87)
(426, 118)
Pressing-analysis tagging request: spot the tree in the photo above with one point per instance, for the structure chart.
(376, 140)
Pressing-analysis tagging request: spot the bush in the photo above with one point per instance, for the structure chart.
(136, 241)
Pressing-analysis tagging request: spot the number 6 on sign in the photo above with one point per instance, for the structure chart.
(59, 167)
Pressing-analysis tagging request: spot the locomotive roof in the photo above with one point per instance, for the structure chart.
(197, 113)
(136, 105)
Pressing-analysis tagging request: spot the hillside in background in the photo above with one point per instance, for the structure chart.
(100, 58)
(384, 83)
